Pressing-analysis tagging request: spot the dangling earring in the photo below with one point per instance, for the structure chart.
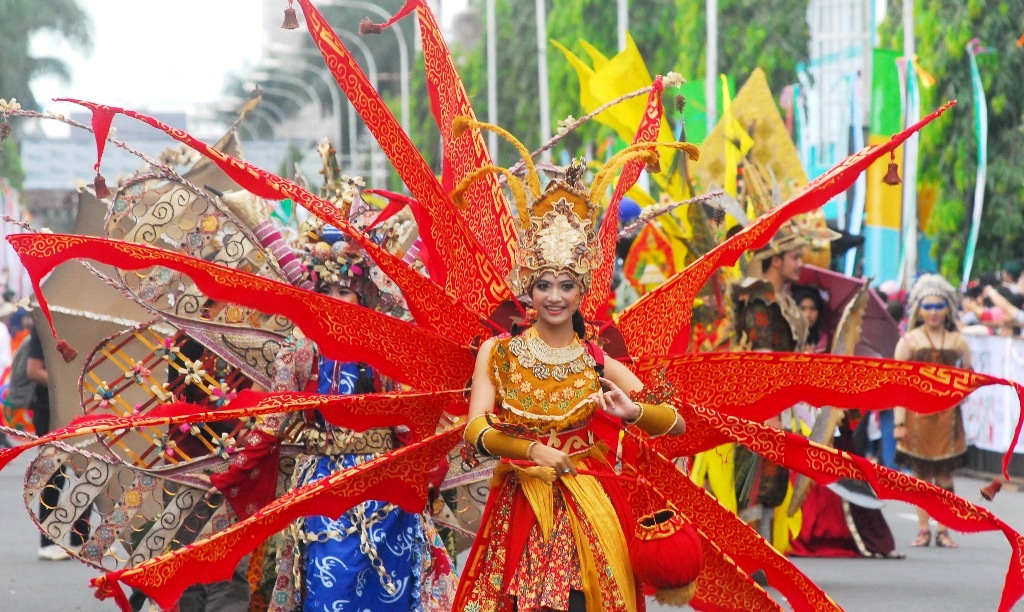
(530, 317)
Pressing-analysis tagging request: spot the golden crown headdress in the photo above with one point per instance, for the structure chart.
(559, 225)
(560, 233)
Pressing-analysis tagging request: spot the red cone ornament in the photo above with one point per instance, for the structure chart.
(366, 26)
(989, 492)
(66, 351)
(667, 555)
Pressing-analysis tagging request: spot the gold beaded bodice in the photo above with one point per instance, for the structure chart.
(542, 387)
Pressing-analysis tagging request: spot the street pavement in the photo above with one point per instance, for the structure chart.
(929, 579)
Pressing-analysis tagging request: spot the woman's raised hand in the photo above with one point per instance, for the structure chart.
(615, 402)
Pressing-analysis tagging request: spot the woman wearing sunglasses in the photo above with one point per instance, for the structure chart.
(933, 445)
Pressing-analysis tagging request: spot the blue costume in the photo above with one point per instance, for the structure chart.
(373, 557)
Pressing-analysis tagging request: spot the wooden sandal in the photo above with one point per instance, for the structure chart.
(924, 538)
(942, 540)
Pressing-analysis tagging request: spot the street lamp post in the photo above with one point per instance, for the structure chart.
(291, 80)
(403, 51)
(542, 74)
(492, 78)
(298, 100)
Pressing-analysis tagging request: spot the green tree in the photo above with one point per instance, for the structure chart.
(20, 20)
(770, 34)
(948, 151)
(670, 35)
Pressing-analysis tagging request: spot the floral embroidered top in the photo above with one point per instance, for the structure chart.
(541, 387)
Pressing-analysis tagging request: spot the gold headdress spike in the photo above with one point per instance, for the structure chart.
(640, 150)
(515, 185)
(462, 123)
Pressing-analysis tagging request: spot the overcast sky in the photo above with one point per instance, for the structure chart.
(156, 55)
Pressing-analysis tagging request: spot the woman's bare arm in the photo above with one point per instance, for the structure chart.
(483, 393)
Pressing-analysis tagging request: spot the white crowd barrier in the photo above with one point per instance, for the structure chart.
(990, 414)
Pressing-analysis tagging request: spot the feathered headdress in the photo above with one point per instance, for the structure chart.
(933, 285)
(806, 230)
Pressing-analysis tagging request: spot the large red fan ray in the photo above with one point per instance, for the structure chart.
(653, 322)
(748, 550)
(825, 464)
(488, 215)
(420, 412)
(759, 385)
(399, 477)
(396, 348)
(608, 235)
(461, 266)
(430, 306)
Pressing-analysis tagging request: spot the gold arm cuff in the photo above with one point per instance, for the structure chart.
(498, 444)
(474, 428)
(656, 419)
(490, 441)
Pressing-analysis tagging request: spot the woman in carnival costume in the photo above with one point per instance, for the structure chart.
(932, 444)
(552, 536)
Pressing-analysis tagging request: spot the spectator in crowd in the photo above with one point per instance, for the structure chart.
(6, 352)
(36, 371)
(932, 444)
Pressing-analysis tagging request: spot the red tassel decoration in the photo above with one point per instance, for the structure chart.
(892, 177)
(989, 492)
(105, 589)
(100, 185)
(368, 27)
(291, 21)
(666, 554)
(66, 351)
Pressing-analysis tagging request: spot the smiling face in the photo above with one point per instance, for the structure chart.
(934, 310)
(556, 298)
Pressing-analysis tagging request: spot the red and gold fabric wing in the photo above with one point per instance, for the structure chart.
(653, 322)
(398, 349)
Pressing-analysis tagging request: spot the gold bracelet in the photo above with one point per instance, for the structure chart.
(638, 416)
(475, 429)
(490, 441)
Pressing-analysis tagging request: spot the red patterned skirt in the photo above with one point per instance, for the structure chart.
(512, 567)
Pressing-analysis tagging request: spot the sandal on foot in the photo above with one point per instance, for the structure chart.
(924, 538)
(942, 540)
